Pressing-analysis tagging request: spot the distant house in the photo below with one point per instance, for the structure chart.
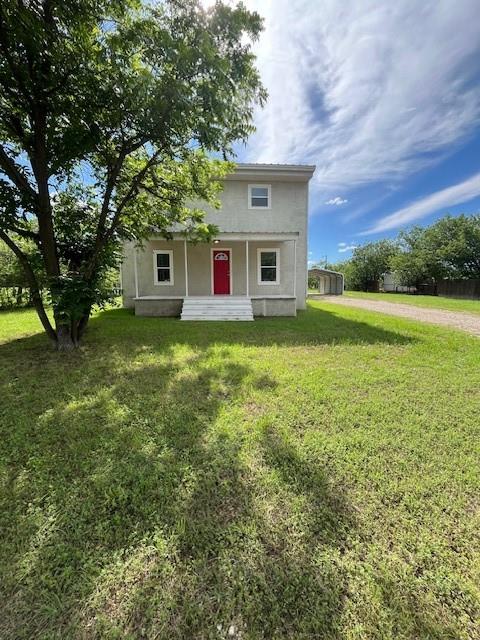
(256, 266)
(389, 284)
(328, 282)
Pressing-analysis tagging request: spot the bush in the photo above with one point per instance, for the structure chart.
(14, 297)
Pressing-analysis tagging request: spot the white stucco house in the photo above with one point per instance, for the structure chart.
(256, 266)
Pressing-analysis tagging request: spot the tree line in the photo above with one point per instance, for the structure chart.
(448, 249)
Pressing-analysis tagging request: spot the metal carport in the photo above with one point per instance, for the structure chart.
(328, 282)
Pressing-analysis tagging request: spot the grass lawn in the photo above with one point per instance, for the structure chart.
(293, 479)
(434, 302)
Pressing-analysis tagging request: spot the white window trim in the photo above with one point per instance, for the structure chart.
(262, 186)
(155, 272)
(259, 266)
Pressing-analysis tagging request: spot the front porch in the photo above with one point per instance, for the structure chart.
(252, 273)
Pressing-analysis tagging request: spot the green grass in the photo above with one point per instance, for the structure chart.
(293, 479)
(433, 302)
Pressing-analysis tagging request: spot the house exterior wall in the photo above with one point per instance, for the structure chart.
(274, 307)
(158, 307)
(287, 214)
(390, 284)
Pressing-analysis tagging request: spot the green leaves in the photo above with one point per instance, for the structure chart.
(106, 79)
(450, 248)
(169, 194)
(117, 106)
(369, 262)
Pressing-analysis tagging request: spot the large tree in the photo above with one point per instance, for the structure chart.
(449, 248)
(109, 113)
(369, 262)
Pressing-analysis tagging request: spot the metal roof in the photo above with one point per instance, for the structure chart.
(337, 273)
(289, 172)
(268, 165)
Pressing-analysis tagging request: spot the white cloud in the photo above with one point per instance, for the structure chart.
(343, 247)
(337, 201)
(206, 4)
(451, 196)
(366, 90)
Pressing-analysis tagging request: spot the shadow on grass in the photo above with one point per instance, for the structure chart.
(132, 508)
(311, 327)
(133, 503)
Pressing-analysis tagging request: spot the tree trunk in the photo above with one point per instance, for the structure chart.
(82, 325)
(70, 335)
(65, 341)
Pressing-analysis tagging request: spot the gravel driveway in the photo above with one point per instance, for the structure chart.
(457, 320)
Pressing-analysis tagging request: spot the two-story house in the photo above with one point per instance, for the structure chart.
(256, 266)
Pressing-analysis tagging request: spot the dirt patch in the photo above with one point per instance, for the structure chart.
(456, 320)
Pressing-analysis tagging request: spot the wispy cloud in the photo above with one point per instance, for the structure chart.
(344, 247)
(369, 91)
(337, 201)
(451, 196)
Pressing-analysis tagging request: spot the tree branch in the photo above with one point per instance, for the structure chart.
(24, 233)
(102, 240)
(113, 174)
(136, 181)
(15, 174)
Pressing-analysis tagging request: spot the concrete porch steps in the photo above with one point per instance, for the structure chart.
(217, 308)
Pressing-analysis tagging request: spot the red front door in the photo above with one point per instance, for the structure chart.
(221, 271)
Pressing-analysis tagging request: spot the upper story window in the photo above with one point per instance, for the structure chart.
(268, 266)
(259, 196)
(163, 267)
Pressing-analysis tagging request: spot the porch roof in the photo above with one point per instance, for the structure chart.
(254, 235)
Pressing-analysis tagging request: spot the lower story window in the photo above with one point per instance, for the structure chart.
(268, 266)
(163, 267)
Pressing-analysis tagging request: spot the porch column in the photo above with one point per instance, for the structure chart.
(186, 267)
(294, 268)
(135, 271)
(246, 266)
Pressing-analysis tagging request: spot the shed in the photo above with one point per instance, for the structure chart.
(328, 282)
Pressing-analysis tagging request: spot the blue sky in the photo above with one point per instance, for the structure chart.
(384, 97)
